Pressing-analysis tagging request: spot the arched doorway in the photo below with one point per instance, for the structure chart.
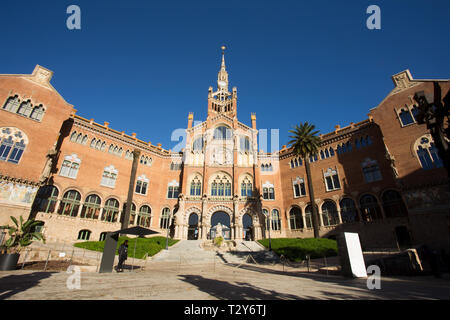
(193, 227)
(403, 237)
(224, 219)
(247, 223)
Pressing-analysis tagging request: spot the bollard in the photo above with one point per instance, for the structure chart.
(46, 262)
(326, 267)
(308, 261)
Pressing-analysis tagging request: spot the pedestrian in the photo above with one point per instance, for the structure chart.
(123, 255)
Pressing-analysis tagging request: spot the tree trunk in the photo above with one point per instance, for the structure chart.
(315, 214)
(126, 214)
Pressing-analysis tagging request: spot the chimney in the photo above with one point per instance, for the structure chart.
(190, 119)
(253, 117)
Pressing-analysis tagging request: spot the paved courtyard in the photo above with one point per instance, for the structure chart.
(187, 272)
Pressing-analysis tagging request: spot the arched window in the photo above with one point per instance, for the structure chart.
(196, 186)
(141, 185)
(331, 151)
(103, 236)
(144, 216)
(109, 176)
(73, 136)
(308, 216)
(173, 190)
(246, 187)
(70, 203)
(428, 153)
(299, 187)
(93, 142)
(164, 222)
(132, 219)
(91, 207)
(276, 222)
(268, 191)
(46, 199)
(349, 146)
(369, 208)
(84, 235)
(80, 138)
(348, 211)
(329, 213)
(111, 210)
(70, 166)
(85, 139)
(222, 133)
(25, 108)
(322, 155)
(244, 144)
(393, 204)
(12, 104)
(332, 179)
(405, 117)
(12, 144)
(221, 186)
(197, 146)
(295, 218)
(371, 171)
(37, 113)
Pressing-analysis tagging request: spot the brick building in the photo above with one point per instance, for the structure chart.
(380, 177)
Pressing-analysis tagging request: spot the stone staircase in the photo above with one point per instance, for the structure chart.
(244, 249)
(192, 252)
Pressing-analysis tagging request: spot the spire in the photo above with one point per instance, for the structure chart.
(222, 77)
(223, 58)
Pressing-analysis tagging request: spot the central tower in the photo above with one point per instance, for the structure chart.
(222, 101)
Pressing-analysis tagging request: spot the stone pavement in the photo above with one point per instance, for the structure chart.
(211, 281)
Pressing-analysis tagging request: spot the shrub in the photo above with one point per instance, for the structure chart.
(149, 246)
(297, 249)
(218, 241)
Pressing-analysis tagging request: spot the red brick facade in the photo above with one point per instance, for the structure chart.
(367, 178)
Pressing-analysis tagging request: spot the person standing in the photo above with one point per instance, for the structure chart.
(123, 255)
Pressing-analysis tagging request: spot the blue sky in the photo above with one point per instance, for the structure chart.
(144, 65)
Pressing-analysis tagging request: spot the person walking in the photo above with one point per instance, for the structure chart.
(123, 255)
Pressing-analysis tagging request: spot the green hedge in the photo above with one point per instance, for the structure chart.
(144, 245)
(296, 249)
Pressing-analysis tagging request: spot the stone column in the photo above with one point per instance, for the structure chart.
(303, 219)
(58, 203)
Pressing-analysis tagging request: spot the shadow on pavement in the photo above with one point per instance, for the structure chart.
(234, 291)
(424, 287)
(13, 284)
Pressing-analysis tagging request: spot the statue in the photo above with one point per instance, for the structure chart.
(219, 230)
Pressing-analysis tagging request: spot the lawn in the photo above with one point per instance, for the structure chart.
(144, 245)
(296, 249)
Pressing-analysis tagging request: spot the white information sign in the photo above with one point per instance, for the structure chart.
(355, 256)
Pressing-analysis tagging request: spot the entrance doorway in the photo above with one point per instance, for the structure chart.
(403, 237)
(193, 227)
(247, 223)
(224, 219)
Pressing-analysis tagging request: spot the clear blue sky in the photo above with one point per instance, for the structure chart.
(143, 65)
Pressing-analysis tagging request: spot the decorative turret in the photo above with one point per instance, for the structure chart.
(222, 101)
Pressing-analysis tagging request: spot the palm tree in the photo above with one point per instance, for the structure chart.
(305, 143)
